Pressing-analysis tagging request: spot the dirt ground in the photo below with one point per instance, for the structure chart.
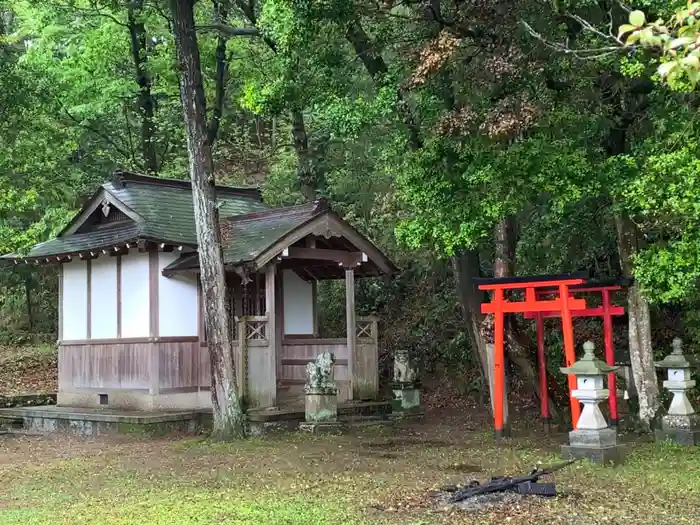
(28, 370)
(377, 475)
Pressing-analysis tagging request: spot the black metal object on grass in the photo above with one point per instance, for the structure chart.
(526, 484)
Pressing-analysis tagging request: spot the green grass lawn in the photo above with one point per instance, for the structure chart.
(377, 476)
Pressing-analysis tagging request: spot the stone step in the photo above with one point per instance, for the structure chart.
(11, 424)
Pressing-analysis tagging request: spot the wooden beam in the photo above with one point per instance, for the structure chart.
(340, 256)
(60, 302)
(314, 306)
(153, 292)
(350, 322)
(275, 344)
(119, 296)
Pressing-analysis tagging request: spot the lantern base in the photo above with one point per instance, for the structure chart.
(684, 430)
(603, 455)
(598, 446)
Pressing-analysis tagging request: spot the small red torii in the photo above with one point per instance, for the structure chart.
(548, 296)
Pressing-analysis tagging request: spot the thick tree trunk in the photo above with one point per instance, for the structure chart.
(641, 352)
(145, 103)
(220, 17)
(28, 296)
(517, 348)
(465, 265)
(228, 415)
(306, 171)
(376, 67)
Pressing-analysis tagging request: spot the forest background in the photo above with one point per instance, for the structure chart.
(466, 138)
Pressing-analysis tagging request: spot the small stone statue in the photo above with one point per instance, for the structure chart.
(319, 374)
(403, 372)
(406, 388)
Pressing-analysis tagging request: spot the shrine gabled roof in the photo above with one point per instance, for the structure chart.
(254, 239)
(160, 210)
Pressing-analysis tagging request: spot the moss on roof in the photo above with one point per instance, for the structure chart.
(245, 237)
(165, 209)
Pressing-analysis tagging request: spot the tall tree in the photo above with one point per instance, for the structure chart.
(228, 414)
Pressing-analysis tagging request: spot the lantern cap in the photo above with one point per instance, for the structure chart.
(589, 364)
(675, 359)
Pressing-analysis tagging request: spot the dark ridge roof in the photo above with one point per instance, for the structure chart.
(125, 177)
(245, 237)
(118, 234)
(164, 210)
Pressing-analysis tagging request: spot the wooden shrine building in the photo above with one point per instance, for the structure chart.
(131, 333)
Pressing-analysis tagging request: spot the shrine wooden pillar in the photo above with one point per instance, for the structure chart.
(351, 327)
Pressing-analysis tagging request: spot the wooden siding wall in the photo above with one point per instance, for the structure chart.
(296, 353)
(109, 366)
(366, 370)
(157, 367)
(179, 366)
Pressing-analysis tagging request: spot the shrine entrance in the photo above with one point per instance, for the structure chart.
(548, 296)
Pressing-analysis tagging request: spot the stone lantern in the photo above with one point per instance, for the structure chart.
(681, 423)
(592, 438)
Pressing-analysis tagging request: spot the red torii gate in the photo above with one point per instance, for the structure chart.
(607, 311)
(537, 306)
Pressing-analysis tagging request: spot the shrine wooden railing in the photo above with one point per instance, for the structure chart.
(365, 362)
(254, 359)
(366, 327)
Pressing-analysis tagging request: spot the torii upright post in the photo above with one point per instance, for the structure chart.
(610, 357)
(498, 364)
(569, 350)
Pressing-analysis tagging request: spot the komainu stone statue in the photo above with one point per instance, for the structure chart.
(319, 375)
(321, 395)
(406, 387)
(403, 371)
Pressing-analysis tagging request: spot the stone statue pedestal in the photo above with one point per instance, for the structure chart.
(597, 446)
(321, 405)
(684, 430)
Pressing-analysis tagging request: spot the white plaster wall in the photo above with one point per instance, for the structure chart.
(134, 297)
(298, 304)
(103, 297)
(74, 300)
(177, 301)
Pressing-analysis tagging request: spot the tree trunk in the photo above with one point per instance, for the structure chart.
(220, 17)
(641, 352)
(145, 103)
(465, 265)
(517, 348)
(228, 414)
(306, 171)
(28, 296)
